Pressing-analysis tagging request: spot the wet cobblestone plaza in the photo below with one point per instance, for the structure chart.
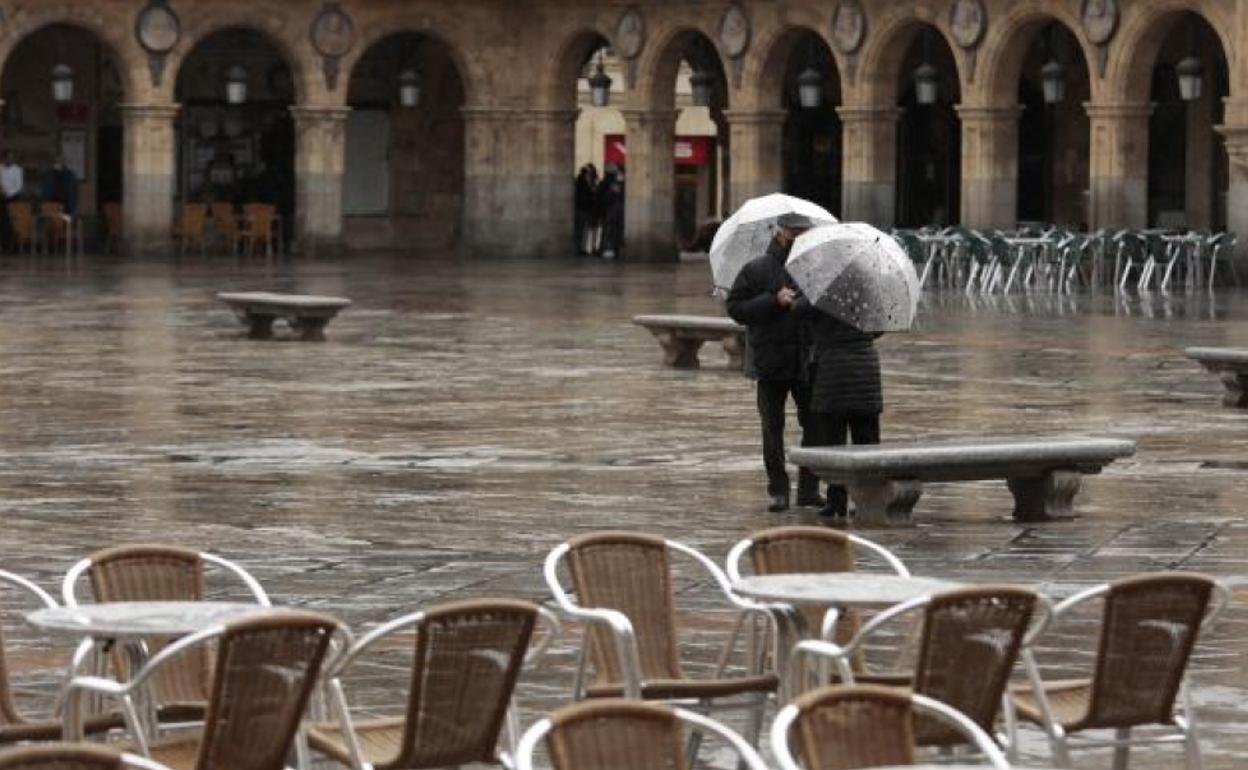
(464, 418)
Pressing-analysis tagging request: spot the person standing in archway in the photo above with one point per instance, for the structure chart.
(583, 210)
(12, 180)
(763, 298)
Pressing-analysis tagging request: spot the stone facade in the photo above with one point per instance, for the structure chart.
(519, 64)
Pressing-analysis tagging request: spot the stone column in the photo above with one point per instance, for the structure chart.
(650, 186)
(989, 166)
(755, 139)
(1118, 177)
(518, 181)
(869, 158)
(148, 169)
(320, 158)
(1236, 137)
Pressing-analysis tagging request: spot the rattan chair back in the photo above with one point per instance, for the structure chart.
(631, 573)
(266, 668)
(156, 573)
(971, 640)
(1149, 625)
(66, 756)
(468, 656)
(840, 728)
(9, 714)
(787, 550)
(22, 217)
(616, 734)
(224, 218)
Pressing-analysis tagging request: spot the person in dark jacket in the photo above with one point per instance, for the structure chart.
(583, 203)
(611, 192)
(846, 395)
(763, 299)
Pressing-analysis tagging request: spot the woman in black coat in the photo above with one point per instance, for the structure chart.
(846, 395)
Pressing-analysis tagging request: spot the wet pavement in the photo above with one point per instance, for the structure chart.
(462, 419)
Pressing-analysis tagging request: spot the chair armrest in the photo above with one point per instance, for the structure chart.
(72, 726)
(841, 656)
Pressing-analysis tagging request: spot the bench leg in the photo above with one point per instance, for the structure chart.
(884, 504)
(679, 352)
(1045, 497)
(310, 329)
(734, 346)
(1236, 384)
(259, 327)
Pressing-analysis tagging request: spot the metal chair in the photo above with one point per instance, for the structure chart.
(1149, 625)
(970, 641)
(618, 734)
(623, 585)
(73, 756)
(22, 217)
(265, 669)
(159, 573)
(846, 727)
(468, 656)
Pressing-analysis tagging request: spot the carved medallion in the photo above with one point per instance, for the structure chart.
(734, 32)
(967, 22)
(158, 28)
(333, 37)
(1100, 20)
(630, 34)
(849, 26)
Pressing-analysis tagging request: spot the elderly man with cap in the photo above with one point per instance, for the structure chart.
(763, 298)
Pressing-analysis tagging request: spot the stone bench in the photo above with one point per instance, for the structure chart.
(306, 314)
(1231, 365)
(683, 335)
(885, 481)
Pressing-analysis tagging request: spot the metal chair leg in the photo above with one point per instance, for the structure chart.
(1122, 751)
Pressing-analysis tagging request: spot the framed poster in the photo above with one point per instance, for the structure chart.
(74, 151)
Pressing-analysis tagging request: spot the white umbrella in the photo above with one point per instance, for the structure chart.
(746, 234)
(857, 274)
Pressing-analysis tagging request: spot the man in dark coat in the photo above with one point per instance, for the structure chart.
(583, 211)
(763, 298)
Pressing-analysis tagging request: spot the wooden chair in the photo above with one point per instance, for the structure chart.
(190, 227)
(623, 586)
(968, 646)
(1149, 625)
(468, 656)
(55, 227)
(259, 228)
(73, 756)
(845, 727)
(114, 225)
(159, 573)
(22, 217)
(225, 223)
(617, 734)
(264, 671)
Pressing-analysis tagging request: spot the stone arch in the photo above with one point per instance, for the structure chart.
(773, 59)
(563, 69)
(1009, 40)
(1138, 43)
(469, 69)
(303, 76)
(81, 17)
(888, 41)
(658, 66)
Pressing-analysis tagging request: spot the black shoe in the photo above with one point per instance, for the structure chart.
(832, 512)
(810, 500)
(779, 503)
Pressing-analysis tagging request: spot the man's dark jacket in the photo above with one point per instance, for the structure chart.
(778, 340)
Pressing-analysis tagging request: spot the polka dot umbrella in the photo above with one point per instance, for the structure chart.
(857, 274)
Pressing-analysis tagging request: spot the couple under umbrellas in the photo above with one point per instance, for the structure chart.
(814, 294)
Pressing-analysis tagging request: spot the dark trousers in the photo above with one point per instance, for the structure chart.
(773, 395)
(834, 429)
(6, 225)
(580, 225)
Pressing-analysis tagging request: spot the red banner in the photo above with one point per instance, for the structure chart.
(689, 150)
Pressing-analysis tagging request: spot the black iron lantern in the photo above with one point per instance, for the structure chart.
(600, 85)
(810, 88)
(1053, 80)
(926, 78)
(236, 84)
(703, 86)
(409, 88)
(62, 83)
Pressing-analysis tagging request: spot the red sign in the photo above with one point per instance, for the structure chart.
(74, 113)
(689, 150)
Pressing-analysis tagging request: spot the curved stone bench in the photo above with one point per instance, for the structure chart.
(1231, 366)
(885, 481)
(683, 335)
(307, 314)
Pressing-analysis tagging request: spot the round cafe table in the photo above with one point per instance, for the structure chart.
(843, 590)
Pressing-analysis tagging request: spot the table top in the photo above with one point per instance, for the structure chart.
(113, 620)
(287, 300)
(841, 589)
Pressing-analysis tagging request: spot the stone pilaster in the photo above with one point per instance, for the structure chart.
(989, 166)
(148, 166)
(756, 140)
(650, 186)
(869, 186)
(1236, 137)
(518, 181)
(1118, 177)
(320, 158)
